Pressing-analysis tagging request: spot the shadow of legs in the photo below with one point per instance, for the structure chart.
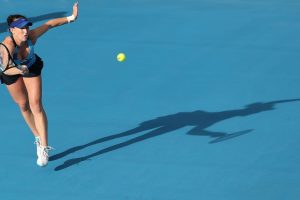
(98, 141)
(151, 134)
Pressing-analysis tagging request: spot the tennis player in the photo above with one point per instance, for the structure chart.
(24, 83)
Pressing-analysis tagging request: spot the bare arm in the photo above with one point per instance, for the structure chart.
(39, 31)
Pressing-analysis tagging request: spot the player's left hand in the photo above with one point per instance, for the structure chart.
(75, 10)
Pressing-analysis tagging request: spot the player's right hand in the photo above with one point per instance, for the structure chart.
(23, 69)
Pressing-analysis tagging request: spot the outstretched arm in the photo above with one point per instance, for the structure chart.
(39, 31)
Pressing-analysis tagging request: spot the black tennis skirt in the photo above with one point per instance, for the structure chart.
(34, 71)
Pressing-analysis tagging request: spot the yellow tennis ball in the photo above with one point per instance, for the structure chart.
(121, 57)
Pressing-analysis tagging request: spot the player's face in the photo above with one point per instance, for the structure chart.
(21, 33)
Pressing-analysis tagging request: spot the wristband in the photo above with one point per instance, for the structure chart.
(71, 18)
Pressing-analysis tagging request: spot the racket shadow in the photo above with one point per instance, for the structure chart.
(199, 120)
(3, 25)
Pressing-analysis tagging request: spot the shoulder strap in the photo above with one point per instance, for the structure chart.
(13, 39)
(16, 47)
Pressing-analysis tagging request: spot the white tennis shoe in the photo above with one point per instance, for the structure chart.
(43, 155)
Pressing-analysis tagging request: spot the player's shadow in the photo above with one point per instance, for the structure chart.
(199, 121)
(3, 25)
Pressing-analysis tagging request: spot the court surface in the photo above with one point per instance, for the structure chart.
(206, 106)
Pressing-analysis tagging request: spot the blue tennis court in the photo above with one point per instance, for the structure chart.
(206, 105)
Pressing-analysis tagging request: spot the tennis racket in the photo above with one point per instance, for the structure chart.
(7, 62)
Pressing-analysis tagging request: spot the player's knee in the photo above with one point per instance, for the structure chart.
(36, 106)
(23, 105)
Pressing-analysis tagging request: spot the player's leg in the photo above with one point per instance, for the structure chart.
(34, 89)
(18, 93)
